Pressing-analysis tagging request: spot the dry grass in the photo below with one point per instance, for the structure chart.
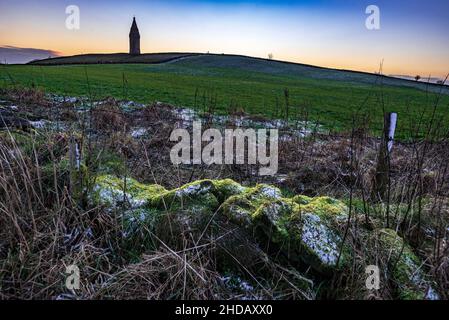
(45, 226)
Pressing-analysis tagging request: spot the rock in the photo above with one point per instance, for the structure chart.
(321, 244)
(266, 192)
(197, 195)
(273, 218)
(304, 228)
(239, 210)
(227, 188)
(244, 202)
(405, 268)
(114, 192)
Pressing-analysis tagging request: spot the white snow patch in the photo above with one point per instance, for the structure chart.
(114, 197)
(41, 124)
(271, 192)
(138, 132)
(191, 190)
(432, 294)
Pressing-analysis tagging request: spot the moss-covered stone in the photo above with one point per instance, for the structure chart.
(138, 224)
(227, 188)
(239, 210)
(329, 209)
(113, 192)
(244, 203)
(274, 217)
(405, 267)
(321, 245)
(304, 228)
(198, 196)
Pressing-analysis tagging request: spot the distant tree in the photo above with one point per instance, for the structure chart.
(418, 77)
(440, 82)
(270, 56)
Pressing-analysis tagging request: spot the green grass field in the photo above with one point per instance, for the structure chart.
(257, 86)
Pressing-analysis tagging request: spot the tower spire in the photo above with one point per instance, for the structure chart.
(134, 39)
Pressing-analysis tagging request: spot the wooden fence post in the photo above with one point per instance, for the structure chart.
(75, 164)
(382, 176)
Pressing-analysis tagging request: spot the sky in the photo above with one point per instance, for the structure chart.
(413, 37)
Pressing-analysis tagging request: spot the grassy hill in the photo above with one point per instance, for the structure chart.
(222, 82)
(115, 58)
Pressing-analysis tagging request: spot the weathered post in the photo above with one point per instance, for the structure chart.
(75, 166)
(382, 175)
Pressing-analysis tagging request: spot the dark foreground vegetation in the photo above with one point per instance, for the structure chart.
(90, 183)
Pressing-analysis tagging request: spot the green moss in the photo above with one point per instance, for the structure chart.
(263, 192)
(405, 267)
(227, 188)
(273, 217)
(239, 210)
(244, 206)
(113, 191)
(305, 226)
(302, 200)
(195, 194)
(110, 163)
(325, 207)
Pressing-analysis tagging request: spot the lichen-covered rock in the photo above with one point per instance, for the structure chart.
(405, 268)
(241, 206)
(303, 227)
(322, 246)
(274, 218)
(196, 199)
(227, 188)
(239, 210)
(327, 208)
(307, 230)
(114, 192)
(263, 192)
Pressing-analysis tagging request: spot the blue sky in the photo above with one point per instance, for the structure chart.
(413, 39)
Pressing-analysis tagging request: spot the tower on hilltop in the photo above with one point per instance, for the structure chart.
(134, 39)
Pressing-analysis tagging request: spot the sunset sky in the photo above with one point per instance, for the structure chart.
(413, 39)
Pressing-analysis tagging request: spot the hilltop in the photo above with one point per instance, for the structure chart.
(113, 58)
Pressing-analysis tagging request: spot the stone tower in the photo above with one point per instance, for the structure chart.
(134, 39)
